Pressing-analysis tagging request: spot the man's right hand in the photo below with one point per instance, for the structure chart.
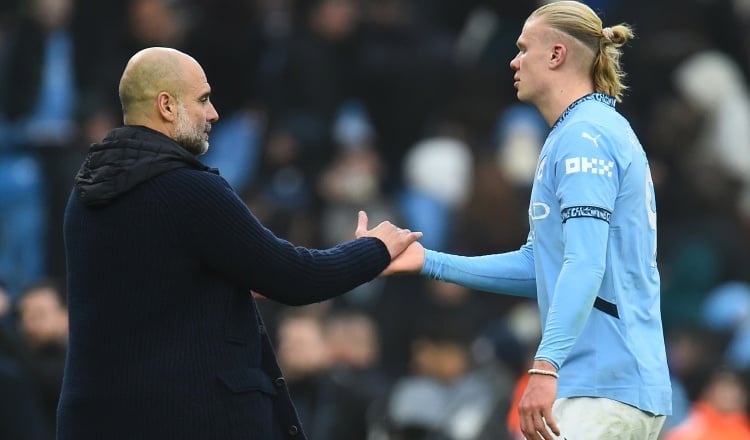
(396, 240)
(535, 406)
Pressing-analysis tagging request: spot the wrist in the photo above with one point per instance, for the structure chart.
(544, 364)
(541, 372)
(428, 257)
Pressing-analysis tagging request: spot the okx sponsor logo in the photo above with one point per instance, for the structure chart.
(590, 165)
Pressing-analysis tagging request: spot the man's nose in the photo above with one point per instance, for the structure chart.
(213, 115)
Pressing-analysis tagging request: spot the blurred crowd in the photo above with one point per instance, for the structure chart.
(403, 108)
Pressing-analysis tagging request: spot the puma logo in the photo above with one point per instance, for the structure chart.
(593, 139)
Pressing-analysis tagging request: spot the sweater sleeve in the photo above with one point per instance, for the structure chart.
(509, 273)
(219, 230)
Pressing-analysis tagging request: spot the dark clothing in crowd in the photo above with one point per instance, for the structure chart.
(21, 415)
(30, 381)
(29, 389)
(339, 404)
(165, 337)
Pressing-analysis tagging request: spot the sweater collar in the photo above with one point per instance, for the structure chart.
(127, 157)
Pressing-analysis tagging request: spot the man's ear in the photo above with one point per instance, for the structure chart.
(166, 104)
(557, 56)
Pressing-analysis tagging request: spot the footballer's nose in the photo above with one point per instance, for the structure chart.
(515, 64)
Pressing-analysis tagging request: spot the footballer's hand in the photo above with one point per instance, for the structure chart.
(535, 407)
(409, 261)
(396, 240)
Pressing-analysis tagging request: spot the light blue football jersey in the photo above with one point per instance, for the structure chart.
(593, 169)
(590, 260)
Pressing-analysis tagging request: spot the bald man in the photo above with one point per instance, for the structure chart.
(182, 111)
(166, 341)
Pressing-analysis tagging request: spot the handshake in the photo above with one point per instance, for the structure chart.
(407, 255)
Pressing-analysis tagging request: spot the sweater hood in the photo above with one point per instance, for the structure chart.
(127, 157)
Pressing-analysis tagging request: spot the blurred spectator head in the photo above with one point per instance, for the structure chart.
(42, 314)
(716, 85)
(440, 348)
(301, 347)
(352, 339)
(519, 136)
(157, 22)
(726, 391)
(727, 309)
(727, 306)
(691, 352)
(334, 20)
(276, 21)
(53, 14)
(511, 340)
(352, 127)
(353, 177)
(441, 167)
(708, 78)
(448, 294)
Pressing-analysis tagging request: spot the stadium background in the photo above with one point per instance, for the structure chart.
(404, 108)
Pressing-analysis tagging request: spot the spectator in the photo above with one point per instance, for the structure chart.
(445, 397)
(429, 202)
(354, 180)
(353, 345)
(721, 159)
(303, 359)
(43, 326)
(720, 411)
(32, 357)
(331, 380)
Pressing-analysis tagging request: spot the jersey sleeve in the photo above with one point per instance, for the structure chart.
(509, 273)
(576, 288)
(587, 168)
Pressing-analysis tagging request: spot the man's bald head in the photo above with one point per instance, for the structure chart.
(167, 91)
(148, 73)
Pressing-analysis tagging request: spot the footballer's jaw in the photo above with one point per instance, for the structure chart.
(530, 63)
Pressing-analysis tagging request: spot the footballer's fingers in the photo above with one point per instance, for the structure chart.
(538, 428)
(550, 422)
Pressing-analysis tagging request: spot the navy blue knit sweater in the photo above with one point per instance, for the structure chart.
(165, 338)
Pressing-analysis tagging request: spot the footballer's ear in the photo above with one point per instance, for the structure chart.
(166, 105)
(557, 55)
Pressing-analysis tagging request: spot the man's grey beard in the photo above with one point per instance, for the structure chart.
(189, 137)
(195, 146)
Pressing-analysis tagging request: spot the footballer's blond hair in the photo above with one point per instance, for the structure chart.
(583, 24)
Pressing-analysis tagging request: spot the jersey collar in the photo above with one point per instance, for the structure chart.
(601, 97)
